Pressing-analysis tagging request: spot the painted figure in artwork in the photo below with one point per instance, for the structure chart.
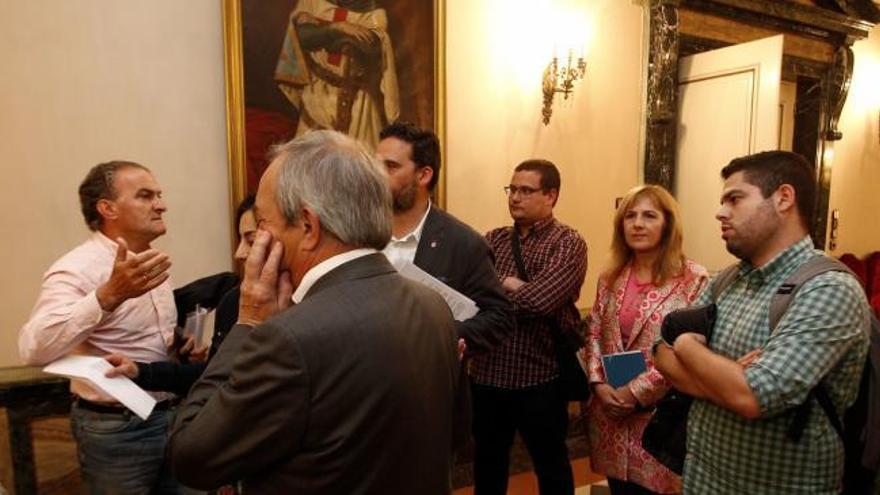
(337, 68)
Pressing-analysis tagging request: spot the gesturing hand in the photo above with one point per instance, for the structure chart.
(132, 276)
(265, 288)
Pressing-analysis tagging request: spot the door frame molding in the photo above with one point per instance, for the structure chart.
(822, 86)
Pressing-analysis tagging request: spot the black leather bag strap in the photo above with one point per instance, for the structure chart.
(516, 249)
(778, 306)
(517, 255)
(825, 401)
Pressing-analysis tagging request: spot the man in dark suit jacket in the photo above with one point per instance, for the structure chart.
(357, 388)
(437, 242)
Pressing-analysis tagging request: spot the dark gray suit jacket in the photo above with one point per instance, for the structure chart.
(358, 389)
(460, 257)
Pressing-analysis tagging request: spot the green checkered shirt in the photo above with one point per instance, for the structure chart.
(822, 336)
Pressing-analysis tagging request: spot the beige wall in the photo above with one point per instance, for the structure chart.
(855, 180)
(91, 80)
(496, 51)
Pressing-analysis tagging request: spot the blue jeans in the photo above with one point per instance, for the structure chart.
(122, 454)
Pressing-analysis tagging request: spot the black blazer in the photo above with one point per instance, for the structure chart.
(460, 257)
(176, 377)
(356, 390)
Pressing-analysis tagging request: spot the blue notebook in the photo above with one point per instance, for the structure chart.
(622, 367)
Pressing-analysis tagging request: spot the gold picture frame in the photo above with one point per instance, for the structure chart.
(235, 69)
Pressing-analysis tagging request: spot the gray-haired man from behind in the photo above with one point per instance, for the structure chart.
(357, 388)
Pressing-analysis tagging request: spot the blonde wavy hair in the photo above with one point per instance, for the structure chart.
(671, 261)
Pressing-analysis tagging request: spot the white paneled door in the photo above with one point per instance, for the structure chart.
(729, 106)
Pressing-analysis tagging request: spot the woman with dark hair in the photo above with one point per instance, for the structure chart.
(648, 277)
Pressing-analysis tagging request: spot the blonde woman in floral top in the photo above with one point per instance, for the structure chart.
(648, 277)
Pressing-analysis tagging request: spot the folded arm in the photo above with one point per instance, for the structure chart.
(554, 285)
(719, 379)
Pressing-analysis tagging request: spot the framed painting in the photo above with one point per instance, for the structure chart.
(349, 65)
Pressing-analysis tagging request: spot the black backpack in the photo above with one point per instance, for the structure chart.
(664, 436)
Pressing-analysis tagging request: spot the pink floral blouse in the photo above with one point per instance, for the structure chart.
(616, 444)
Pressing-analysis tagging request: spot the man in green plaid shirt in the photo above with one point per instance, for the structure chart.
(749, 381)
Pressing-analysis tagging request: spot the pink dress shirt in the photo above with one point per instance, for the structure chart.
(67, 318)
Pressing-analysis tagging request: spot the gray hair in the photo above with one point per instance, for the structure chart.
(341, 182)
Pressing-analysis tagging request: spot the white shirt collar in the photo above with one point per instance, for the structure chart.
(316, 272)
(417, 232)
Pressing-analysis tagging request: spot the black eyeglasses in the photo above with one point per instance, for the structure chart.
(522, 190)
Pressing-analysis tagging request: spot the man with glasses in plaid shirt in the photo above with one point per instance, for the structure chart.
(750, 379)
(515, 386)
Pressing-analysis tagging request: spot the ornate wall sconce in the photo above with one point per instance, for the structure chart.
(561, 80)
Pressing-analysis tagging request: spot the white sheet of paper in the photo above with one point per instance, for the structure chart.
(91, 369)
(461, 306)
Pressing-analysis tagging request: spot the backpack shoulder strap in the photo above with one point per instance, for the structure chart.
(778, 306)
(723, 280)
(812, 268)
(871, 453)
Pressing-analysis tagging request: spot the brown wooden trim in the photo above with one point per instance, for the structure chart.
(786, 15)
(862, 9)
(734, 31)
(817, 57)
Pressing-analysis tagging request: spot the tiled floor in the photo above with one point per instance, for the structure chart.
(527, 484)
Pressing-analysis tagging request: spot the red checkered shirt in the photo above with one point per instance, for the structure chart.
(555, 259)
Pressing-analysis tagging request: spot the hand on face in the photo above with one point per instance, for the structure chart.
(265, 288)
(132, 276)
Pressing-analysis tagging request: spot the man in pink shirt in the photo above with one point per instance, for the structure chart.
(111, 294)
